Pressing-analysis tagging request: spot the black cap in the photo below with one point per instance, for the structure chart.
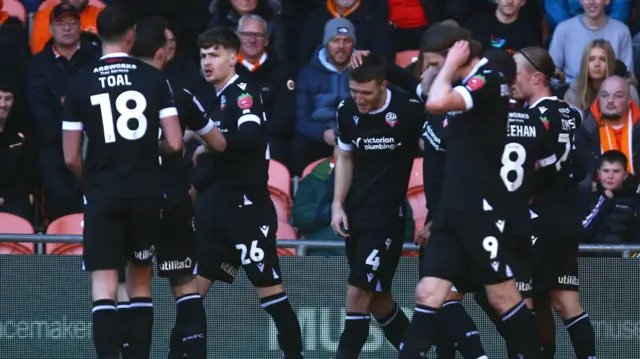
(62, 10)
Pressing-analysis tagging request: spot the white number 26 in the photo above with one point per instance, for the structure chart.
(256, 254)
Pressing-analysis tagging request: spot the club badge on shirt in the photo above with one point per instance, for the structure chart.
(245, 101)
(476, 82)
(391, 119)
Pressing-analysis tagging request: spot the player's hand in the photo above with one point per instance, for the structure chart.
(356, 58)
(608, 193)
(422, 236)
(329, 137)
(1, 201)
(427, 78)
(458, 54)
(339, 221)
(193, 194)
(200, 150)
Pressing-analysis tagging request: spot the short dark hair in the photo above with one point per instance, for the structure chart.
(150, 37)
(502, 61)
(614, 156)
(114, 22)
(440, 37)
(220, 36)
(373, 67)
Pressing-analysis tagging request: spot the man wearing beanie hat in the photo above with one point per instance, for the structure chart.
(321, 86)
(17, 175)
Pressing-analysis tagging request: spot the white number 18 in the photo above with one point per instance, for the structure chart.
(125, 114)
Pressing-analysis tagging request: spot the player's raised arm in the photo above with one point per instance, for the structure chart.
(169, 122)
(205, 129)
(72, 135)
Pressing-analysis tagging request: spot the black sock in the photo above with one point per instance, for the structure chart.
(521, 330)
(394, 325)
(286, 321)
(176, 350)
(445, 344)
(461, 328)
(582, 336)
(141, 327)
(549, 351)
(482, 300)
(106, 336)
(354, 335)
(125, 328)
(191, 326)
(421, 333)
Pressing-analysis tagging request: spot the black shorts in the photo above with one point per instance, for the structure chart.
(373, 256)
(235, 229)
(117, 230)
(474, 246)
(176, 247)
(556, 245)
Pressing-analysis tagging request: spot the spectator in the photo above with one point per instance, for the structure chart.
(311, 210)
(275, 79)
(369, 18)
(321, 86)
(227, 13)
(64, 55)
(42, 29)
(573, 35)
(14, 44)
(558, 11)
(502, 28)
(17, 162)
(611, 123)
(613, 207)
(598, 62)
(409, 19)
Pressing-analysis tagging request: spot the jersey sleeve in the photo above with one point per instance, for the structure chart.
(482, 89)
(196, 117)
(72, 118)
(546, 155)
(247, 112)
(165, 100)
(344, 137)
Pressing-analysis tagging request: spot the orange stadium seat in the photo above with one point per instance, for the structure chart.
(279, 178)
(283, 206)
(12, 224)
(307, 170)
(406, 58)
(16, 9)
(416, 179)
(286, 231)
(69, 224)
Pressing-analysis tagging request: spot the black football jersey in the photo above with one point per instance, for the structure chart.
(239, 115)
(435, 133)
(527, 149)
(192, 117)
(561, 119)
(384, 143)
(476, 141)
(119, 102)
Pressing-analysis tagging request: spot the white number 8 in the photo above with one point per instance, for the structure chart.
(490, 244)
(256, 254)
(125, 114)
(509, 165)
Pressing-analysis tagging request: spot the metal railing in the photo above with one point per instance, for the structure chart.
(301, 245)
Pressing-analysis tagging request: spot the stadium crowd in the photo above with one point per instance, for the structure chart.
(299, 52)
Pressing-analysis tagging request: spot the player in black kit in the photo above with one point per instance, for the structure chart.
(175, 250)
(235, 219)
(120, 103)
(378, 137)
(557, 223)
(468, 237)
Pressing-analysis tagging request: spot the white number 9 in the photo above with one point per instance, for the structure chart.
(490, 244)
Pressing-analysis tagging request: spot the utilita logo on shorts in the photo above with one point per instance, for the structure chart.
(176, 265)
(569, 279)
(145, 254)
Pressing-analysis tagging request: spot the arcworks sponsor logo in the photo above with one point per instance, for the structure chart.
(176, 265)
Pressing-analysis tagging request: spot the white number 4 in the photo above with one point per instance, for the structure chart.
(373, 260)
(256, 254)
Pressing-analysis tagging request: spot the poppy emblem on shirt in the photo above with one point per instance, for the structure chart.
(476, 82)
(391, 119)
(245, 101)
